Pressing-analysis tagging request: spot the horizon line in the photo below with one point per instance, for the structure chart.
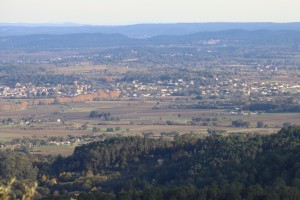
(132, 24)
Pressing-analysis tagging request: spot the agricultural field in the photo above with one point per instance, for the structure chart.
(128, 117)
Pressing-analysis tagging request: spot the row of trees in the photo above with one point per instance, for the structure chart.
(275, 107)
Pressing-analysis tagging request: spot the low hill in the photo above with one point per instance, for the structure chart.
(214, 167)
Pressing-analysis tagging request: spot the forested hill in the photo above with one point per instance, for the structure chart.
(99, 40)
(214, 167)
(73, 41)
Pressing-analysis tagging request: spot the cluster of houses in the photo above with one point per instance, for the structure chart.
(29, 90)
(217, 88)
(213, 86)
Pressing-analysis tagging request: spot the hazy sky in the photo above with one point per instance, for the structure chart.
(104, 12)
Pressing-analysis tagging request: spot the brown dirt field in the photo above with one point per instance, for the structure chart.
(53, 150)
(18, 133)
(79, 69)
(140, 112)
(90, 70)
(33, 110)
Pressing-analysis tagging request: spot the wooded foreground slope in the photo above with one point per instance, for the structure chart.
(214, 167)
(236, 166)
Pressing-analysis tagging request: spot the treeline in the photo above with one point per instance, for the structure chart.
(237, 166)
(268, 107)
(103, 115)
(274, 107)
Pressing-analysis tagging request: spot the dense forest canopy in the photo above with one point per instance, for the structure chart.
(239, 166)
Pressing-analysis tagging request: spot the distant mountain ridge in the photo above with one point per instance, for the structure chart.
(99, 40)
(140, 30)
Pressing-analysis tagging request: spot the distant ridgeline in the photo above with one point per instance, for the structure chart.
(97, 40)
(142, 30)
(80, 98)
